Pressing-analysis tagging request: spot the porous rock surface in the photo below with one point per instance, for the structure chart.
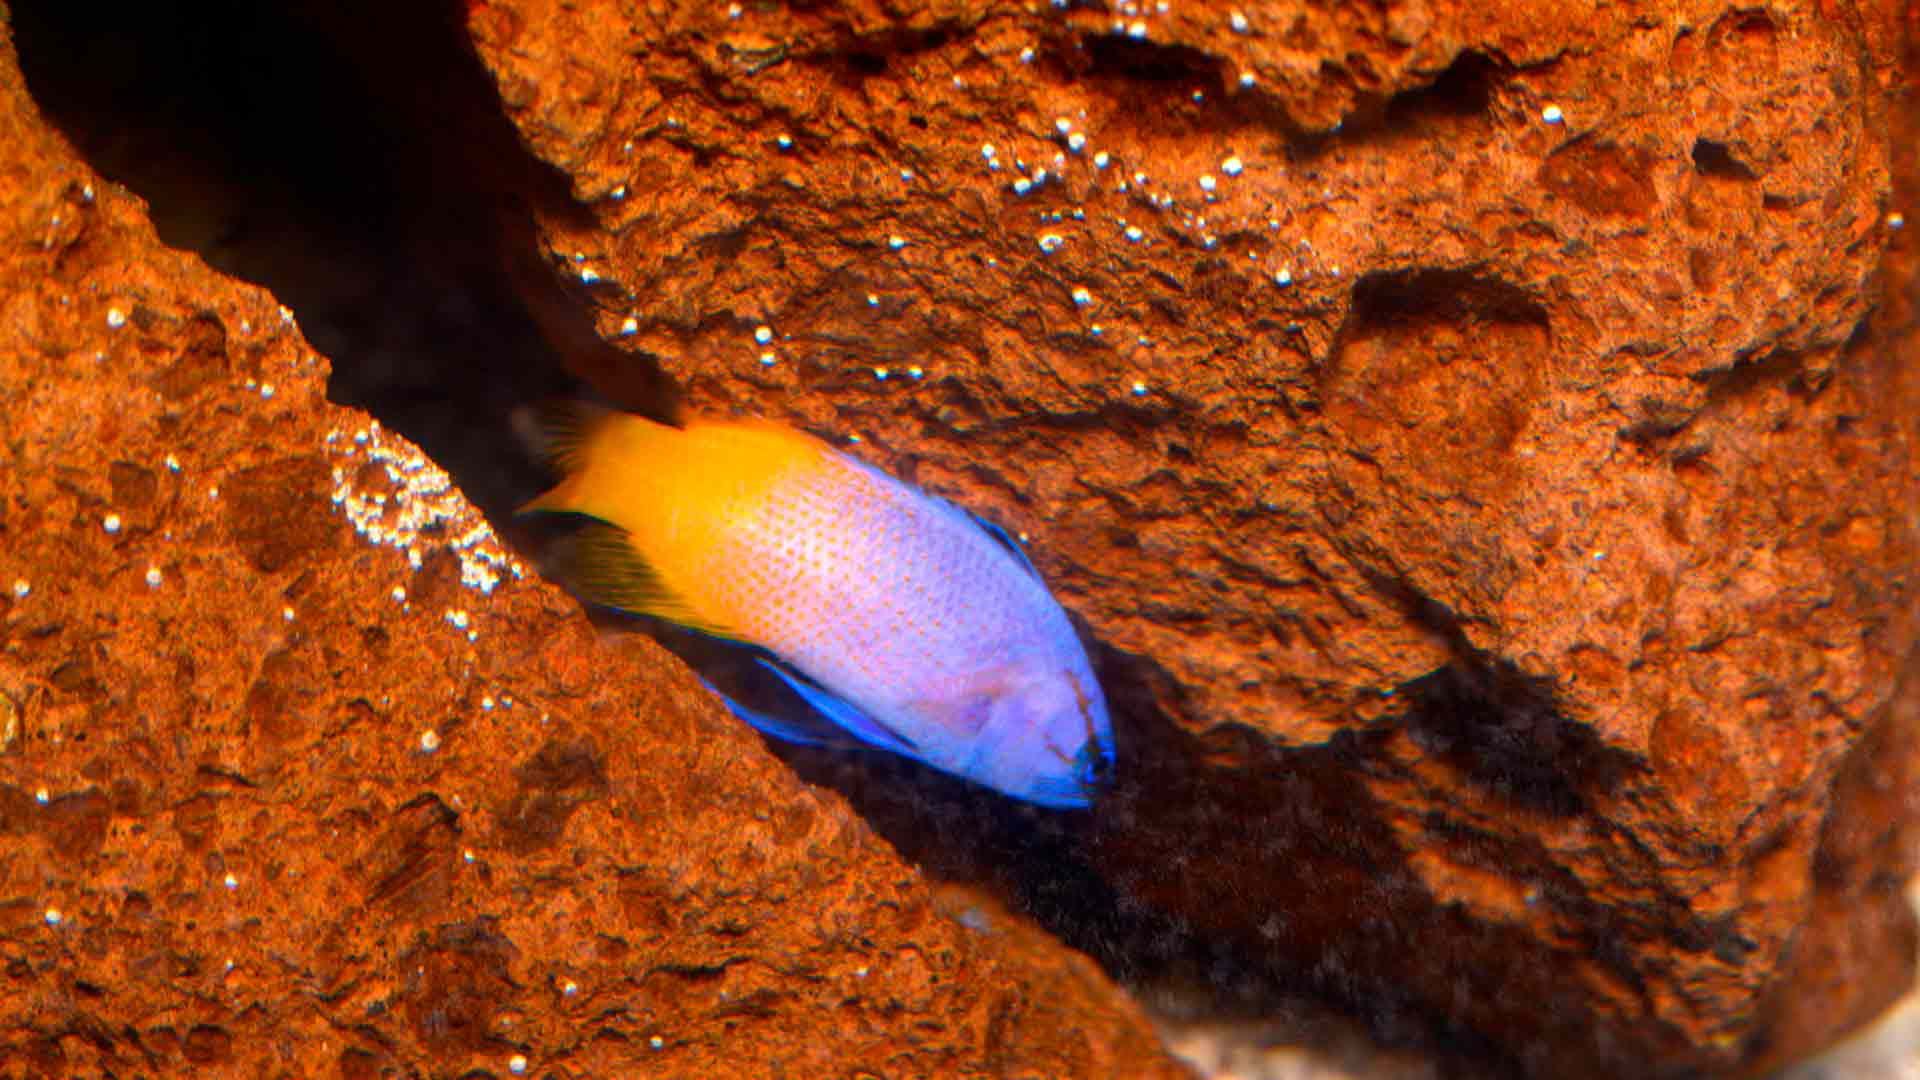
(300, 776)
(1481, 432)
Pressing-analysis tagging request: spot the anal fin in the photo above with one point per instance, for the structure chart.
(603, 568)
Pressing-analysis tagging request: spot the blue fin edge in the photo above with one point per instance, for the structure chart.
(784, 730)
(844, 713)
(1006, 539)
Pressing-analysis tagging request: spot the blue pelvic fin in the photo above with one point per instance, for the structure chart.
(791, 731)
(843, 713)
(1059, 793)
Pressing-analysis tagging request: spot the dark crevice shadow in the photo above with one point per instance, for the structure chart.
(368, 179)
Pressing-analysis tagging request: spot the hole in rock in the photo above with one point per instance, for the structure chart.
(1715, 159)
(353, 158)
(1461, 94)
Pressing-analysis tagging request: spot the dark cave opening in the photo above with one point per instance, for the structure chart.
(368, 179)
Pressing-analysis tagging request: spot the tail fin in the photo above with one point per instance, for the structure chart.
(558, 433)
(555, 430)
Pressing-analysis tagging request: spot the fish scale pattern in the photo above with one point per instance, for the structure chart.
(911, 582)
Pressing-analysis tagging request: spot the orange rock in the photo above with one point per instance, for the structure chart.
(1484, 439)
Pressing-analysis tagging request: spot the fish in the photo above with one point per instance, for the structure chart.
(898, 618)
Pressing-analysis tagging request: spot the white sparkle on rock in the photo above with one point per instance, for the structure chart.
(416, 509)
(1896, 220)
(116, 318)
(1238, 21)
(286, 614)
(1552, 114)
(1101, 159)
(230, 881)
(458, 617)
(153, 577)
(53, 916)
(1246, 80)
(1232, 166)
(173, 464)
(1077, 141)
(629, 326)
(1208, 183)
(763, 334)
(1081, 297)
(517, 1064)
(429, 741)
(1050, 242)
(569, 988)
(618, 193)
(40, 796)
(656, 1042)
(896, 241)
(768, 359)
(1135, 234)
(1283, 277)
(111, 523)
(266, 390)
(21, 587)
(1137, 30)
(1139, 388)
(399, 594)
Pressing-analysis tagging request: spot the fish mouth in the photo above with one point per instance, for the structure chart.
(1087, 773)
(1093, 765)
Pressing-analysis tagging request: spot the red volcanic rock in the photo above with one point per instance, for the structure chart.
(1484, 436)
(300, 775)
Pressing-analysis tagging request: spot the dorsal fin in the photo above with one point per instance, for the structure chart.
(1006, 539)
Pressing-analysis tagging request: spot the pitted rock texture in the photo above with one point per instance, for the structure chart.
(300, 775)
(1486, 433)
